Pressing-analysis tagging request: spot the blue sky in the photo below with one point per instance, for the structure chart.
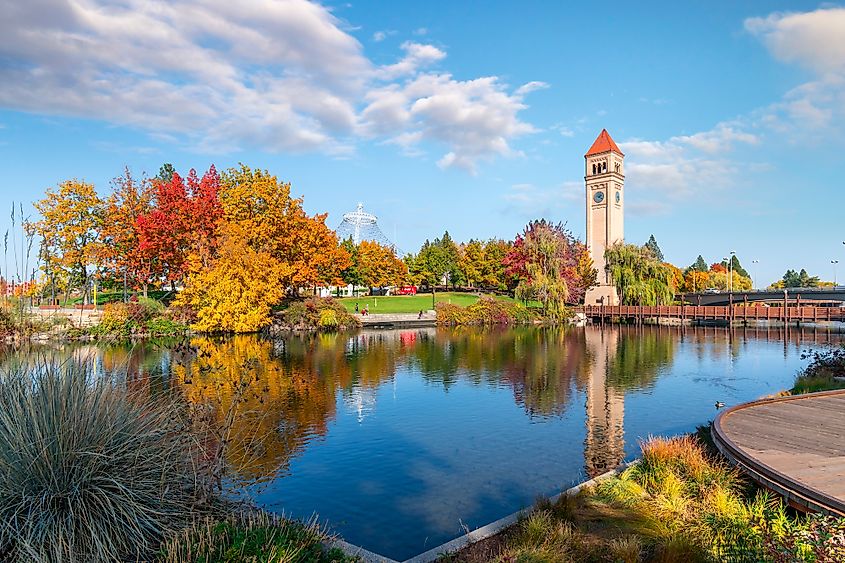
(449, 115)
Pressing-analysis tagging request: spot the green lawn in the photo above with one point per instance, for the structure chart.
(409, 303)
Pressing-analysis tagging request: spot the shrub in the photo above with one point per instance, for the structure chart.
(88, 470)
(115, 320)
(162, 326)
(826, 371)
(485, 311)
(310, 314)
(144, 309)
(328, 319)
(254, 536)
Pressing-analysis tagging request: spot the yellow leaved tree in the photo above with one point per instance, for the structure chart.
(379, 266)
(236, 293)
(70, 231)
(269, 247)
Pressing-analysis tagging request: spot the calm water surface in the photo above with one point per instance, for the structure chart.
(399, 439)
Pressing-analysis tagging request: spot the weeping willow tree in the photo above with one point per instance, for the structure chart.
(639, 277)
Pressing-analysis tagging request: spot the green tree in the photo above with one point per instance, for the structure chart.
(700, 264)
(352, 274)
(734, 266)
(451, 259)
(653, 247)
(798, 279)
(639, 277)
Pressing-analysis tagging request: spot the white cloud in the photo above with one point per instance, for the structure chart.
(417, 56)
(815, 40)
(683, 164)
(476, 118)
(281, 75)
(703, 162)
(421, 31)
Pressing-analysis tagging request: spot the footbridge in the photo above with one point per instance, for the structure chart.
(789, 297)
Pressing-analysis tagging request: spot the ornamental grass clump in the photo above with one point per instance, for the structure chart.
(251, 537)
(88, 470)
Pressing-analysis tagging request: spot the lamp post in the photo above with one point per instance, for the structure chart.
(834, 262)
(754, 272)
(727, 279)
(731, 271)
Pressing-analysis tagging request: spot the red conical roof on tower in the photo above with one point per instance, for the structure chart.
(602, 144)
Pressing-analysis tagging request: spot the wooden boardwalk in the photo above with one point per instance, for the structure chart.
(637, 313)
(794, 446)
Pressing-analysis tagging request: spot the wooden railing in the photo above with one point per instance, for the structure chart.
(726, 312)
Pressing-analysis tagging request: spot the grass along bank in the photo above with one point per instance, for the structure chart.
(680, 503)
(392, 304)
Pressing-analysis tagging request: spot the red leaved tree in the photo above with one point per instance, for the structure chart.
(182, 227)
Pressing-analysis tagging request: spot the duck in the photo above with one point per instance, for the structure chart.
(719, 404)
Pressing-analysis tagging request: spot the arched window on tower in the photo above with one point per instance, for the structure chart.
(604, 166)
(617, 167)
(594, 168)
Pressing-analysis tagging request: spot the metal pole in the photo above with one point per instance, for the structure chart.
(754, 273)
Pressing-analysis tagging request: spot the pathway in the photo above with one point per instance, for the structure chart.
(792, 445)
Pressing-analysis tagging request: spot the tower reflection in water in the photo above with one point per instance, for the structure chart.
(604, 445)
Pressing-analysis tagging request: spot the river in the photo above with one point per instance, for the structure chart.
(399, 439)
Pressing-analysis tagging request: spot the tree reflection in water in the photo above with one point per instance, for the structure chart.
(295, 384)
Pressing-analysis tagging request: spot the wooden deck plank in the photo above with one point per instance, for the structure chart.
(795, 443)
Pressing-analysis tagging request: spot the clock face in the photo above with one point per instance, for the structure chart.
(598, 197)
(618, 197)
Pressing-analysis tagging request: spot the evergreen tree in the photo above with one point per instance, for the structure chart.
(799, 279)
(700, 264)
(735, 266)
(653, 247)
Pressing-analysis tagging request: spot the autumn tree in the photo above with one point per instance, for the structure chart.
(268, 247)
(676, 278)
(471, 262)
(274, 222)
(122, 256)
(493, 270)
(379, 266)
(70, 225)
(696, 280)
(545, 258)
(180, 229)
(238, 289)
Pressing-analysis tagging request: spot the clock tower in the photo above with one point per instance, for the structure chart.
(605, 180)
